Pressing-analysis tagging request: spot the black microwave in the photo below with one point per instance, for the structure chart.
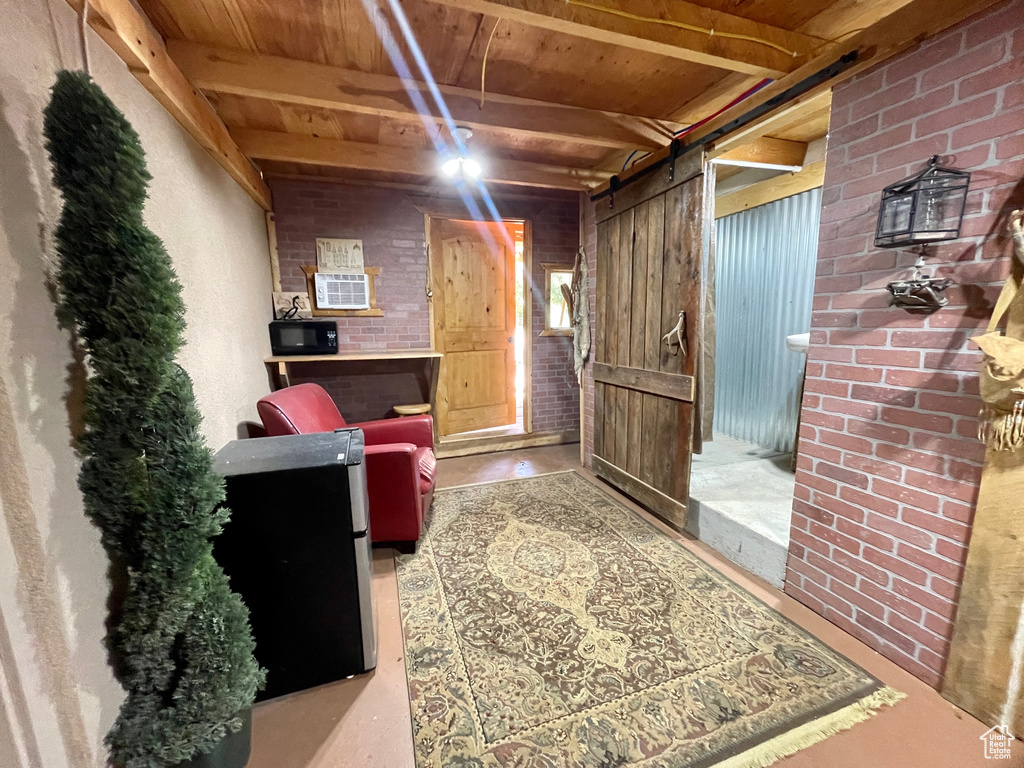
(304, 337)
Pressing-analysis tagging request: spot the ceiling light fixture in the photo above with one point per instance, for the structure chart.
(463, 166)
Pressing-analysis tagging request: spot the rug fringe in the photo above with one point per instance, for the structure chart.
(811, 733)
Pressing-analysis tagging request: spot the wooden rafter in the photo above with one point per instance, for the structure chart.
(297, 148)
(845, 16)
(130, 35)
(840, 18)
(603, 21)
(903, 28)
(224, 70)
(714, 98)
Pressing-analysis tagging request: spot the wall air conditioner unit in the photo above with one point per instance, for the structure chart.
(338, 290)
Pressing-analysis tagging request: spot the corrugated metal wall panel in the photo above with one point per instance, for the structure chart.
(764, 290)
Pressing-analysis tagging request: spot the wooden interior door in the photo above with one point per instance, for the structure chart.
(473, 279)
(648, 270)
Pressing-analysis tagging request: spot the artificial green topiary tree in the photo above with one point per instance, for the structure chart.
(180, 641)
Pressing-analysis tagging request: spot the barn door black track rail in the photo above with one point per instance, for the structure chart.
(678, 148)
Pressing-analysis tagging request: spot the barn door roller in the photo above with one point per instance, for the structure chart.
(674, 150)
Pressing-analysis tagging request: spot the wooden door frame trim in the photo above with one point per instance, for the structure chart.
(527, 325)
(443, 210)
(468, 446)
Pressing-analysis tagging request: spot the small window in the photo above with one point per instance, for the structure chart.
(557, 318)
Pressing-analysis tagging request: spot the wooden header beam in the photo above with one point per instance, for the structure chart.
(770, 190)
(243, 73)
(766, 151)
(129, 33)
(587, 20)
(907, 26)
(296, 148)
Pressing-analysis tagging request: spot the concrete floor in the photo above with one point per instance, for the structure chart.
(741, 502)
(364, 722)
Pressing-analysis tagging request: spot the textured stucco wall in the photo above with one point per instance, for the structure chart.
(57, 694)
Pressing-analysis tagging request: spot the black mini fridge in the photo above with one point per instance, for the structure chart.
(297, 549)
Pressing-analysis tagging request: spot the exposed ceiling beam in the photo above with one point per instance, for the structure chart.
(842, 17)
(845, 16)
(916, 21)
(130, 35)
(297, 148)
(770, 190)
(224, 70)
(715, 98)
(608, 23)
(452, 71)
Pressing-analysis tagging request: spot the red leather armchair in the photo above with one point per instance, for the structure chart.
(400, 466)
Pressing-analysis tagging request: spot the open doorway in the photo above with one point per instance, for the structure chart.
(742, 484)
(479, 317)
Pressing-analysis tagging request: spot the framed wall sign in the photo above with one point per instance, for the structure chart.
(338, 255)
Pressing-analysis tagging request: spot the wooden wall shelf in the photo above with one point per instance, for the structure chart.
(280, 375)
(347, 357)
(373, 311)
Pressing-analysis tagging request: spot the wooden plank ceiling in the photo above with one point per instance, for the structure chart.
(573, 88)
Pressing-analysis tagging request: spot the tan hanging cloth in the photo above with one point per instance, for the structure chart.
(1001, 376)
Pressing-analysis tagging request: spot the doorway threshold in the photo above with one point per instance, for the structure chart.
(509, 429)
(741, 502)
(447, 447)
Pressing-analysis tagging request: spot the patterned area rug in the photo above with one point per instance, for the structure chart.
(548, 625)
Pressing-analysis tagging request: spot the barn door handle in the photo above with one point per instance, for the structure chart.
(678, 331)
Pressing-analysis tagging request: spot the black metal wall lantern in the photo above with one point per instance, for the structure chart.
(926, 208)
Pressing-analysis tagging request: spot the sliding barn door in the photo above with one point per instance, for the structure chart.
(648, 270)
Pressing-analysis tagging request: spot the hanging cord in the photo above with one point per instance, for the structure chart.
(483, 65)
(83, 32)
(683, 25)
(292, 312)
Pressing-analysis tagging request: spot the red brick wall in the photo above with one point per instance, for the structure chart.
(393, 235)
(889, 462)
(556, 240)
(393, 239)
